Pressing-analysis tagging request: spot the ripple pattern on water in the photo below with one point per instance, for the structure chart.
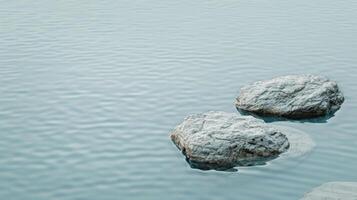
(89, 91)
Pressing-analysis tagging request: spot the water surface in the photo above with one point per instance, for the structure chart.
(89, 91)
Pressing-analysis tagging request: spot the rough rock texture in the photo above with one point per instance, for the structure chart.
(219, 140)
(294, 96)
(333, 191)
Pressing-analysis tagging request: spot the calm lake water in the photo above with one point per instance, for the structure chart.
(89, 91)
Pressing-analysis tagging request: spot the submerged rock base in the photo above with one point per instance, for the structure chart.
(333, 191)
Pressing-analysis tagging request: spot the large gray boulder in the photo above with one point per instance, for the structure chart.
(333, 191)
(294, 96)
(219, 140)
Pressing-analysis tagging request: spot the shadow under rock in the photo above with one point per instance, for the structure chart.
(226, 168)
(270, 118)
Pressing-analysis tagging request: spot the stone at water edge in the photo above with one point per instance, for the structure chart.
(333, 191)
(293, 96)
(219, 140)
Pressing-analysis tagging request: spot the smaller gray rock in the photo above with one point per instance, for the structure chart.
(333, 191)
(219, 140)
(294, 96)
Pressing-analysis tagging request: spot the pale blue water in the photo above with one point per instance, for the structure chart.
(89, 91)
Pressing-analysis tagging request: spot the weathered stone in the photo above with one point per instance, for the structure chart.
(333, 191)
(219, 140)
(294, 96)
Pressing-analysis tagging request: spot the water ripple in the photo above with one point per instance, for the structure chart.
(90, 91)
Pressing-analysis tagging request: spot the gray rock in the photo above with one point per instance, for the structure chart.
(294, 96)
(333, 191)
(219, 140)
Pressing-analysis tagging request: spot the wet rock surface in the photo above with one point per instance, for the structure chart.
(219, 140)
(333, 191)
(293, 96)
